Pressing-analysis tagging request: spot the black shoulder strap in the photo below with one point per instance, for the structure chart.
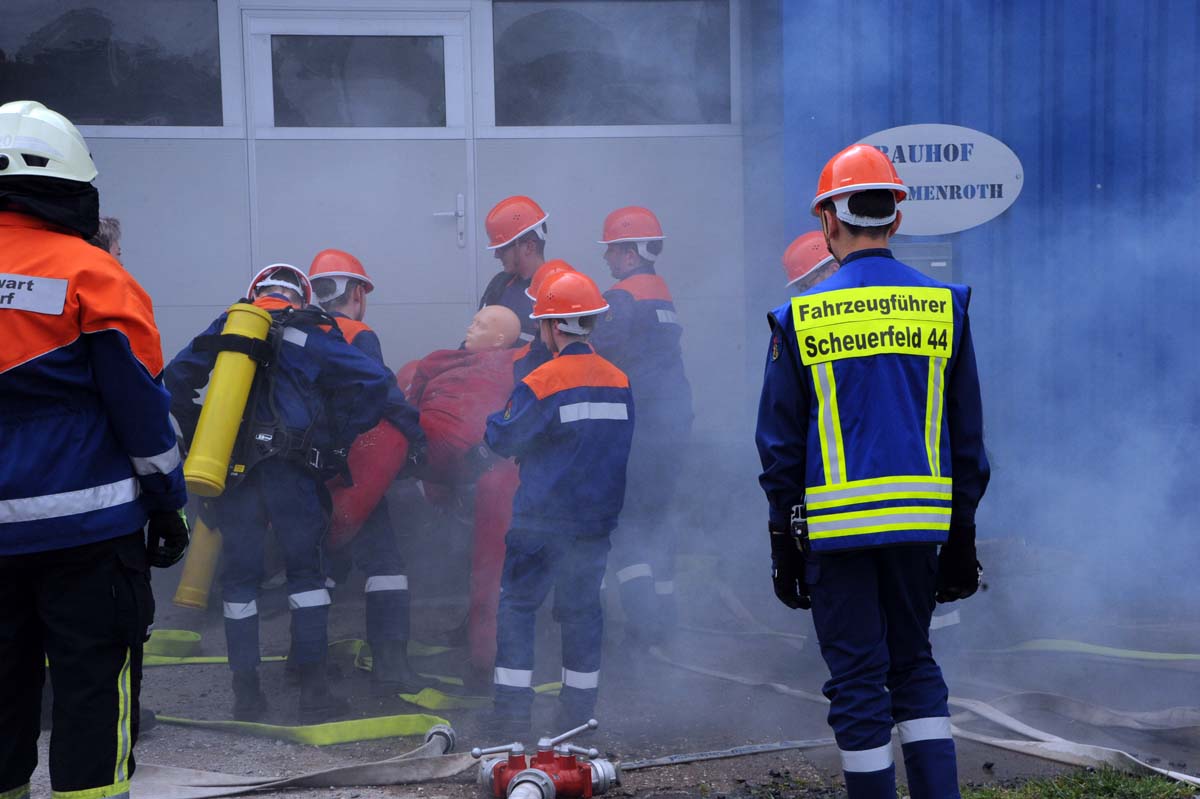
(258, 350)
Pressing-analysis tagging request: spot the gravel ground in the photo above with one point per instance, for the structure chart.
(647, 708)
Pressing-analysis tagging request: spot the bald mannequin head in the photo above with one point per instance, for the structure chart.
(494, 327)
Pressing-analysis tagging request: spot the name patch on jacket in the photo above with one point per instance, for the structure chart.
(46, 295)
(876, 320)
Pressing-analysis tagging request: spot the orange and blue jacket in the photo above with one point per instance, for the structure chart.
(569, 423)
(640, 334)
(86, 444)
(398, 411)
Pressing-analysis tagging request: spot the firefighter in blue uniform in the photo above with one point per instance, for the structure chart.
(341, 285)
(569, 423)
(516, 229)
(87, 458)
(640, 334)
(870, 434)
(316, 396)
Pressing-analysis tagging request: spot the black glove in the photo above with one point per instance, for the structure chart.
(166, 537)
(479, 459)
(787, 571)
(418, 456)
(958, 569)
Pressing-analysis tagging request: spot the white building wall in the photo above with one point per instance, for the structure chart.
(232, 206)
(184, 208)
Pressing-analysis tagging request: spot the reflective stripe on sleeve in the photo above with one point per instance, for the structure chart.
(667, 317)
(934, 403)
(577, 411)
(162, 463)
(866, 760)
(879, 520)
(525, 337)
(309, 599)
(829, 423)
(514, 678)
(387, 582)
(927, 729)
(879, 489)
(69, 503)
(581, 679)
(664, 587)
(235, 611)
(634, 572)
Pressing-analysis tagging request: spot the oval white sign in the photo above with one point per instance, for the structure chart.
(957, 177)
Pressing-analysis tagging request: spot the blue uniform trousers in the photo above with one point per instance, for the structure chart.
(535, 562)
(871, 610)
(645, 542)
(377, 554)
(290, 500)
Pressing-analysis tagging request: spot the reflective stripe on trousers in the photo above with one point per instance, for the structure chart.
(387, 582)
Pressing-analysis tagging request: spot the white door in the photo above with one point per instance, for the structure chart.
(359, 139)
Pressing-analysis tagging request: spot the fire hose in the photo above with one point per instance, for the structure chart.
(433, 760)
(1043, 745)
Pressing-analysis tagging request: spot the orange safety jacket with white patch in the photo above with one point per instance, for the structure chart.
(86, 444)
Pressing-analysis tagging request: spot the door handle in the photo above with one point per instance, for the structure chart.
(460, 215)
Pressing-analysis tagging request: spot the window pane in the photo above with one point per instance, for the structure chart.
(116, 62)
(611, 62)
(359, 81)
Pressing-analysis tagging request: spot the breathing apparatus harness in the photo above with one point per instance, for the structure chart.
(258, 439)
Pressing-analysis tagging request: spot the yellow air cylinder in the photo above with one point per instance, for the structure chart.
(198, 567)
(228, 390)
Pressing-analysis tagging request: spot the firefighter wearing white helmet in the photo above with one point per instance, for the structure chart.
(87, 458)
(864, 485)
(292, 437)
(641, 335)
(569, 423)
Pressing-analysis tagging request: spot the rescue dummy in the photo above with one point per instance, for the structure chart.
(640, 334)
(870, 433)
(516, 231)
(569, 424)
(89, 459)
(455, 390)
(341, 285)
(296, 429)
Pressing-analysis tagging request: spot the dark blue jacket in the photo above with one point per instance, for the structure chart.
(640, 334)
(870, 411)
(569, 423)
(508, 290)
(403, 416)
(321, 384)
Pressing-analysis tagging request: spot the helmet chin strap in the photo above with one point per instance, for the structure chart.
(825, 233)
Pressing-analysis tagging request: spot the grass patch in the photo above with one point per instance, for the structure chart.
(1088, 784)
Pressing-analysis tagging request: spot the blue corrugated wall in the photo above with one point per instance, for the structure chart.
(1086, 289)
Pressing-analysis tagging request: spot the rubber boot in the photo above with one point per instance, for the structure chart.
(391, 673)
(317, 704)
(249, 703)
